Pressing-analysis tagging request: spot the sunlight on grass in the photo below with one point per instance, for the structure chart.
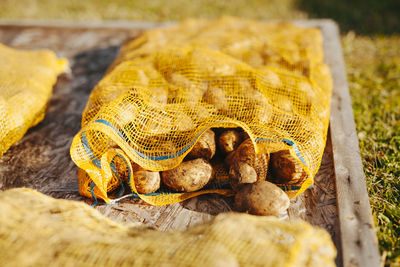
(373, 67)
(156, 10)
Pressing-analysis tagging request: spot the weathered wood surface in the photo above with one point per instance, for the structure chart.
(358, 236)
(41, 159)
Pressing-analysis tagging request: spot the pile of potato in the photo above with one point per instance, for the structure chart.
(252, 176)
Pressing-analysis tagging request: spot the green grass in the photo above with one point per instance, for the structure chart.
(372, 59)
(155, 10)
(373, 67)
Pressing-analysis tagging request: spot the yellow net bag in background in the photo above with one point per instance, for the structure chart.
(37, 230)
(26, 82)
(167, 87)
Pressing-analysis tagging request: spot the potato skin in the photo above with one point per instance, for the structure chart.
(189, 176)
(285, 169)
(229, 159)
(146, 181)
(205, 147)
(245, 153)
(216, 96)
(262, 198)
(241, 173)
(229, 140)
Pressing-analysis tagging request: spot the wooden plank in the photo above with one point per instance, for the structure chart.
(359, 242)
(41, 159)
(358, 239)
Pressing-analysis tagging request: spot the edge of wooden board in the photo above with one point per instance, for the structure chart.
(358, 238)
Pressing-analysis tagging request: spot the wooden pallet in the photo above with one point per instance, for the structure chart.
(338, 201)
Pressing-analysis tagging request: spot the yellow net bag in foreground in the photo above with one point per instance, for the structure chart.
(26, 82)
(37, 230)
(167, 87)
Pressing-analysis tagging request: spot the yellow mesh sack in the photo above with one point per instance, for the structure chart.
(26, 82)
(170, 85)
(37, 230)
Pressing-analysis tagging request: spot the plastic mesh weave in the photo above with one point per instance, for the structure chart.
(170, 85)
(26, 82)
(37, 230)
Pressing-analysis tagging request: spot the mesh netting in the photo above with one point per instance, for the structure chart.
(37, 230)
(26, 82)
(167, 87)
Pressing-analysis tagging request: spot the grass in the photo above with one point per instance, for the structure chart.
(373, 67)
(371, 45)
(155, 10)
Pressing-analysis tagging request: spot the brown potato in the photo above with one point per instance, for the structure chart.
(202, 113)
(285, 169)
(189, 176)
(183, 123)
(187, 90)
(229, 140)
(285, 104)
(180, 80)
(306, 96)
(146, 181)
(217, 97)
(245, 153)
(262, 198)
(204, 147)
(241, 173)
(270, 77)
(159, 95)
(229, 159)
(159, 125)
(167, 146)
(262, 108)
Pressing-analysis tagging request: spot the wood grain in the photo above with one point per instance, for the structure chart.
(359, 242)
(41, 160)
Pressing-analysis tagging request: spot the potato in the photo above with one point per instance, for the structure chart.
(217, 97)
(285, 169)
(180, 80)
(141, 78)
(307, 96)
(229, 159)
(186, 89)
(262, 198)
(183, 123)
(262, 108)
(146, 181)
(270, 77)
(241, 173)
(245, 153)
(229, 140)
(189, 176)
(158, 125)
(167, 146)
(171, 116)
(159, 95)
(285, 104)
(203, 112)
(205, 146)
